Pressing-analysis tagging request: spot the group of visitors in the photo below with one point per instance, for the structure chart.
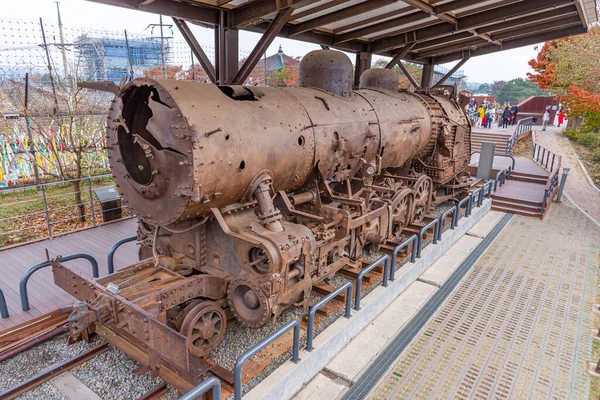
(485, 114)
(561, 115)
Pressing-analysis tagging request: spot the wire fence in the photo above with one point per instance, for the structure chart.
(51, 209)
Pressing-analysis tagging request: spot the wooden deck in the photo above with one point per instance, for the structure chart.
(44, 296)
(523, 165)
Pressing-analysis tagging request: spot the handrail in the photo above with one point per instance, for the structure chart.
(544, 160)
(413, 254)
(499, 155)
(30, 271)
(313, 309)
(435, 222)
(386, 269)
(479, 199)
(3, 307)
(237, 372)
(468, 199)
(211, 383)
(523, 126)
(113, 249)
(454, 211)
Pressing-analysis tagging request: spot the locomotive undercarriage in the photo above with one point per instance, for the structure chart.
(247, 262)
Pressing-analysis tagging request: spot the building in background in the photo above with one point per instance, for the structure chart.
(108, 59)
(457, 79)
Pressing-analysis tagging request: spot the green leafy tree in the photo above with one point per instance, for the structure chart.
(518, 90)
(484, 88)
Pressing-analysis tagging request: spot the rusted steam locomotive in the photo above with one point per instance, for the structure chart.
(248, 196)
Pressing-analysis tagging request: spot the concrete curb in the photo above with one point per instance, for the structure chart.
(288, 379)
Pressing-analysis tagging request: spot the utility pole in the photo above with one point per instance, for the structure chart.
(62, 45)
(162, 48)
(129, 56)
(29, 134)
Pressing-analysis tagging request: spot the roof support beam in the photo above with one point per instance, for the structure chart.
(375, 18)
(263, 9)
(556, 24)
(196, 49)
(398, 57)
(197, 12)
(408, 75)
(405, 19)
(513, 44)
(455, 5)
(466, 23)
(429, 9)
(451, 72)
(340, 15)
(265, 41)
(318, 8)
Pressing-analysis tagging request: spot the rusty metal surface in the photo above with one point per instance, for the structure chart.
(249, 196)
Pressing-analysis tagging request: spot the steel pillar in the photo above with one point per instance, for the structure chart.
(363, 63)
(427, 78)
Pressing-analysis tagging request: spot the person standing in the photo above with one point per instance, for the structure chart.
(545, 120)
(561, 116)
(505, 118)
(515, 111)
(480, 115)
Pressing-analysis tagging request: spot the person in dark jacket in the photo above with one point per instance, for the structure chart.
(515, 112)
(505, 117)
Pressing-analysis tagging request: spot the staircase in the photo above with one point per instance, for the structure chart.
(479, 136)
(523, 193)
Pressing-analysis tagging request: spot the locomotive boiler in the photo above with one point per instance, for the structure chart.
(248, 196)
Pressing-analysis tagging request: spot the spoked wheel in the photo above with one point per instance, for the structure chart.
(402, 210)
(423, 196)
(204, 326)
(248, 302)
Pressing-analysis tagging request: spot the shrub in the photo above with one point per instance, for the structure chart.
(596, 155)
(588, 139)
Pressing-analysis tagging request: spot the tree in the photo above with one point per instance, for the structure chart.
(496, 87)
(173, 72)
(484, 88)
(569, 68)
(518, 90)
(415, 70)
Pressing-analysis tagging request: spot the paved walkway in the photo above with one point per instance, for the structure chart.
(520, 324)
(44, 296)
(577, 186)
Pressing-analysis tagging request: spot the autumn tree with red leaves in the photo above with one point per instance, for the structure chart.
(569, 68)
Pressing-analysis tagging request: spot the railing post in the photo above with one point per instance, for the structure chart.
(113, 249)
(48, 224)
(552, 166)
(386, 270)
(3, 308)
(211, 383)
(313, 309)
(562, 184)
(397, 249)
(91, 201)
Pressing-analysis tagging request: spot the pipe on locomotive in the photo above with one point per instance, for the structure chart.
(179, 149)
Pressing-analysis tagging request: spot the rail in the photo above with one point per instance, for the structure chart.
(237, 372)
(386, 269)
(523, 125)
(56, 205)
(311, 313)
(30, 271)
(542, 156)
(424, 229)
(211, 383)
(499, 155)
(413, 254)
(3, 307)
(551, 184)
(113, 249)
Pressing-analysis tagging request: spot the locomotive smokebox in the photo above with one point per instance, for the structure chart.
(328, 70)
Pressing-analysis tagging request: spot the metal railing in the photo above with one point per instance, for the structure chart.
(523, 125)
(435, 222)
(413, 254)
(52, 203)
(237, 372)
(454, 211)
(499, 155)
(501, 177)
(386, 269)
(30, 271)
(211, 383)
(313, 309)
(113, 249)
(3, 307)
(545, 157)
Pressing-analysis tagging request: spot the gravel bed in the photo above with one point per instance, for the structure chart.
(43, 392)
(110, 376)
(25, 365)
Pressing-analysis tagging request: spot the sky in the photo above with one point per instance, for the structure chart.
(504, 65)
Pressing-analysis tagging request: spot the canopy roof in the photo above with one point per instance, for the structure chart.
(437, 31)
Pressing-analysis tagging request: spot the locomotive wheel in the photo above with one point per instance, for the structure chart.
(423, 194)
(402, 210)
(249, 304)
(204, 327)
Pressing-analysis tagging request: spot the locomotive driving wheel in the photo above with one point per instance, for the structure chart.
(402, 208)
(248, 302)
(423, 196)
(204, 326)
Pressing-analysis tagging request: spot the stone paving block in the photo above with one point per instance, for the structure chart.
(485, 225)
(447, 264)
(320, 387)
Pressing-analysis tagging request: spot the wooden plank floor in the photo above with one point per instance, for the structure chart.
(496, 130)
(522, 164)
(523, 191)
(44, 296)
